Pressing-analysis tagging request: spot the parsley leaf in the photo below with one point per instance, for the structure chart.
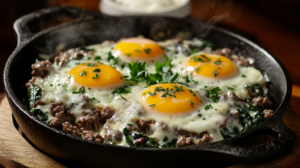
(96, 76)
(230, 88)
(147, 51)
(110, 57)
(91, 64)
(215, 73)
(152, 105)
(122, 90)
(209, 106)
(83, 73)
(97, 58)
(81, 91)
(96, 70)
(244, 76)
(218, 62)
(213, 94)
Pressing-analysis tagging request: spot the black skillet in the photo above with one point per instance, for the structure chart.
(90, 28)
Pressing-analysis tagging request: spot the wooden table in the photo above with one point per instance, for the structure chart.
(281, 40)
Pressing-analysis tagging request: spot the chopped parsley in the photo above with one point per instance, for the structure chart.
(209, 106)
(197, 70)
(215, 73)
(136, 50)
(91, 64)
(112, 59)
(97, 58)
(213, 94)
(152, 105)
(200, 115)
(192, 104)
(96, 76)
(93, 98)
(83, 73)
(96, 70)
(131, 136)
(152, 94)
(128, 55)
(122, 90)
(230, 88)
(147, 51)
(218, 62)
(81, 91)
(123, 98)
(70, 76)
(244, 76)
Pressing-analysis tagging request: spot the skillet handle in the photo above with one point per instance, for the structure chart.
(21, 25)
(283, 142)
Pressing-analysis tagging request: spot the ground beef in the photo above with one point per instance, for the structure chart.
(183, 141)
(62, 114)
(268, 113)
(105, 113)
(206, 138)
(140, 141)
(88, 122)
(70, 129)
(62, 57)
(232, 95)
(225, 52)
(144, 125)
(112, 134)
(86, 103)
(92, 136)
(41, 68)
(177, 40)
(251, 94)
(31, 81)
(184, 133)
(261, 102)
(242, 62)
(39, 102)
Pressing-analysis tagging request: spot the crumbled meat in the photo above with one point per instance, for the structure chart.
(62, 57)
(242, 62)
(185, 133)
(112, 134)
(31, 81)
(235, 115)
(105, 113)
(86, 102)
(251, 94)
(39, 102)
(225, 52)
(92, 136)
(261, 102)
(268, 113)
(206, 138)
(163, 125)
(139, 141)
(41, 68)
(62, 114)
(70, 129)
(144, 124)
(89, 122)
(177, 40)
(183, 141)
(232, 95)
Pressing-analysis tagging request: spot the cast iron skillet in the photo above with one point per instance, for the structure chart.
(90, 28)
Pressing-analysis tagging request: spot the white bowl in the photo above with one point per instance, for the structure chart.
(111, 8)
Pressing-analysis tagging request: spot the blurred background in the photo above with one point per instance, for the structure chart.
(273, 24)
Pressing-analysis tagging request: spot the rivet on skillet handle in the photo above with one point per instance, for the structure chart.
(21, 25)
(283, 142)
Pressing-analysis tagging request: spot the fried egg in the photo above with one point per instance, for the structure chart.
(134, 49)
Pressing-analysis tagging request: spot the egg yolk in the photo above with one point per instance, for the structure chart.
(169, 99)
(134, 49)
(96, 75)
(209, 65)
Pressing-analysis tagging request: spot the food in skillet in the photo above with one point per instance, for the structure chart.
(141, 93)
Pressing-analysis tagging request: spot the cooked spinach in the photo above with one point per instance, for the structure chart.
(149, 142)
(170, 144)
(226, 134)
(256, 89)
(35, 94)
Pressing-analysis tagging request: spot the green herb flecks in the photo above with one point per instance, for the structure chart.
(96, 70)
(147, 51)
(80, 91)
(130, 137)
(209, 106)
(83, 73)
(215, 73)
(96, 76)
(213, 94)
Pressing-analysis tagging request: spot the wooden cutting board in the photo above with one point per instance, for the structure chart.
(15, 151)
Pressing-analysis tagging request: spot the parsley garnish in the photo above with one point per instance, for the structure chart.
(192, 104)
(83, 73)
(111, 57)
(200, 115)
(218, 62)
(123, 98)
(97, 58)
(152, 105)
(213, 94)
(197, 70)
(128, 55)
(147, 51)
(93, 99)
(136, 50)
(91, 64)
(230, 88)
(215, 73)
(70, 76)
(244, 76)
(81, 91)
(152, 94)
(209, 106)
(96, 76)
(96, 70)
(122, 90)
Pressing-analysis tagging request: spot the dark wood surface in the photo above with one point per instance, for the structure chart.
(272, 24)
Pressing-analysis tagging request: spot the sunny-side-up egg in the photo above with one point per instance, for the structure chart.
(142, 93)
